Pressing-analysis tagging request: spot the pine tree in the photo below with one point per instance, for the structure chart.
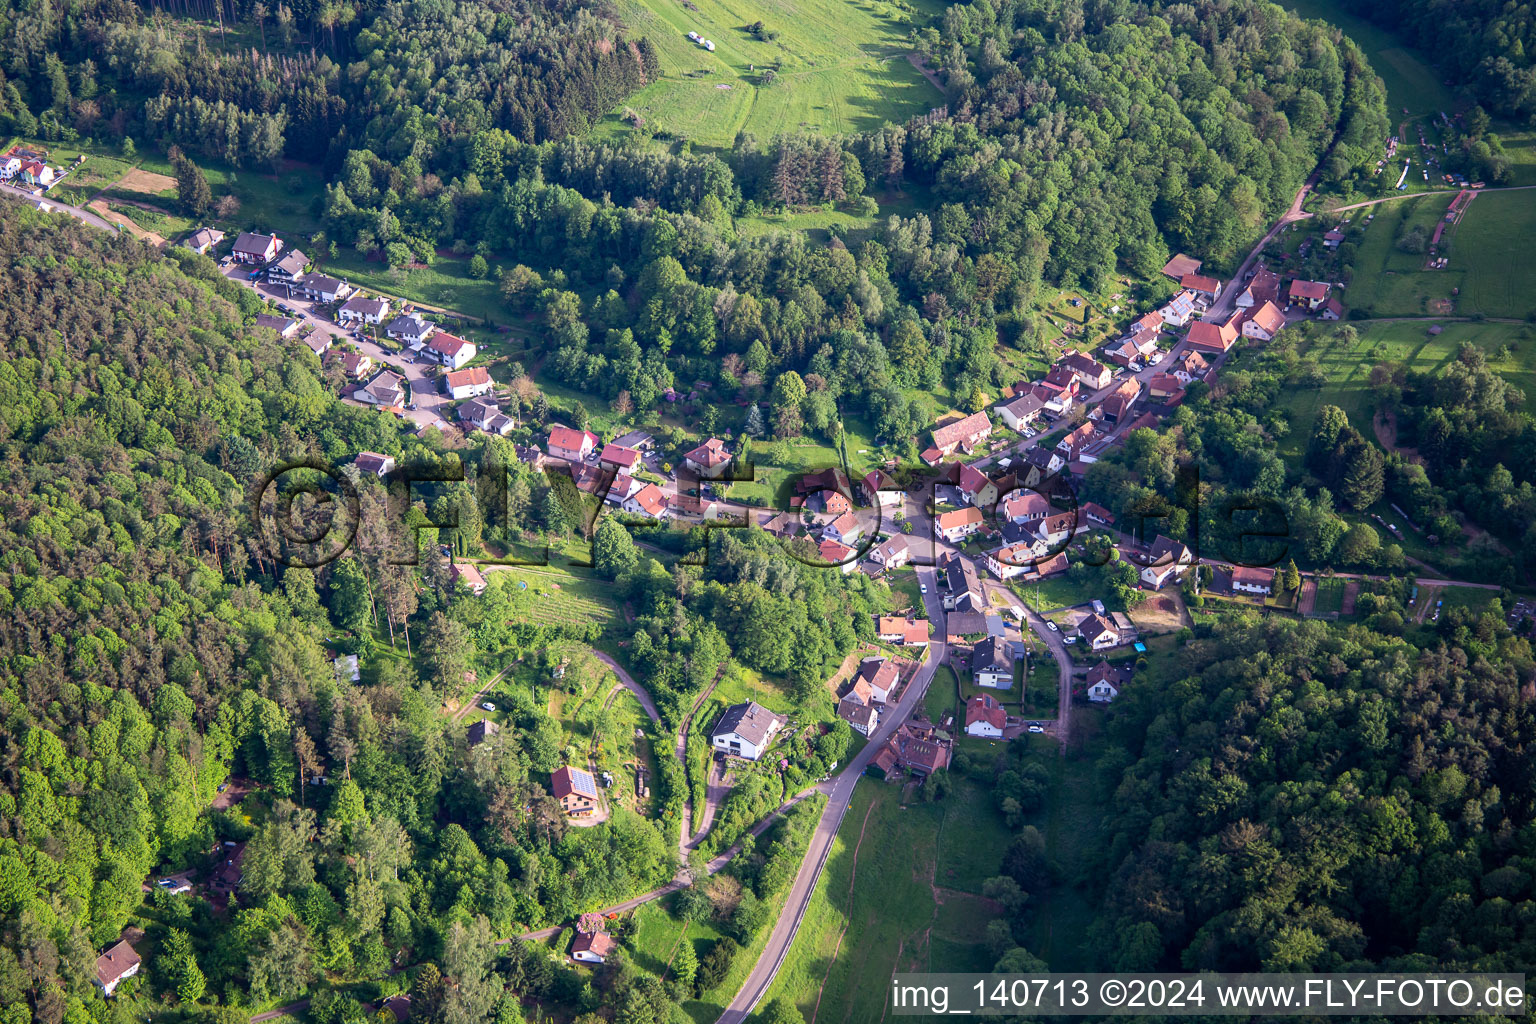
(754, 426)
(1292, 576)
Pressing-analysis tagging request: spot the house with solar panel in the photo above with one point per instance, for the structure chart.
(576, 790)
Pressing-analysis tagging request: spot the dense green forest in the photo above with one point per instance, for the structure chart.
(153, 649)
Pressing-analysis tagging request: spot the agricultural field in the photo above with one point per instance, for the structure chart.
(838, 67)
(562, 596)
(1390, 282)
(901, 891)
(1492, 246)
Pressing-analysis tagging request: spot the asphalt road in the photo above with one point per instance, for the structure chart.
(804, 885)
(58, 207)
(1062, 727)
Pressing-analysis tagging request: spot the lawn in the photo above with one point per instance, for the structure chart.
(1390, 282)
(446, 284)
(1330, 597)
(1492, 244)
(563, 597)
(900, 892)
(840, 67)
(741, 684)
(940, 698)
(1048, 594)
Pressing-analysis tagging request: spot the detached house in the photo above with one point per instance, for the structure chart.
(592, 947)
(1024, 507)
(648, 501)
(367, 311)
(905, 631)
(451, 351)
(958, 525)
(1191, 366)
(1098, 632)
(746, 730)
(709, 459)
(484, 414)
(962, 434)
(845, 529)
(355, 365)
(1179, 310)
(570, 445)
(836, 553)
(1058, 529)
(880, 676)
(203, 239)
(1180, 265)
(1263, 287)
(1203, 286)
(1167, 559)
(1214, 338)
(387, 390)
(1089, 372)
(992, 664)
(976, 488)
(1253, 580)
(985, 717)
(463, 572)
(115, 966)
(254, 248)
(411, 329)
(374, 464)
(1119, 401)
(1105, 682)
(1011, 560)
(281, 324)
(322, 288)
(288, 268)
(880, 489)
(893, 553)
(576, 790)
(618, 458)
(1042, 464)
(1264, 322)
(1165, 389)
(462, 384)
(1072, 444)
(1308, 294)
(1021, 412)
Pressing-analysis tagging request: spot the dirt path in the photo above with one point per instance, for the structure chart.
(853, 872)
(1384, 423)
(100, 208)
(922, 69)
(458, 716)
(1307, 602)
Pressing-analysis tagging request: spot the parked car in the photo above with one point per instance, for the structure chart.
(1070, 639)
(487, 705)
(1051, 626)
(1036, 727)
(922, 587)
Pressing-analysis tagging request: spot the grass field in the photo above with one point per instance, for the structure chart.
(1493, 246)
(1409, 79)
(1348, 367)
(840, 67)
(564, 597)
(900, 892)
(1390, 282)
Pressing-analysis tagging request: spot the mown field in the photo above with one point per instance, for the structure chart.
(1348, 367)
(1411, 83)
(901, 891)
(840, 67)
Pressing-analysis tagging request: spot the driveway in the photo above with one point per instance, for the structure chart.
(1058, 647)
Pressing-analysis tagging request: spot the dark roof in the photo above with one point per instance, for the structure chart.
(751, 721)
(991, 654)
(481, 731)
(567, 780)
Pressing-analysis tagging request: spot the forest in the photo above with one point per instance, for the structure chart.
(154, 650)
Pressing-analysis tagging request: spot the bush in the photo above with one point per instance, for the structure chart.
(478, 268)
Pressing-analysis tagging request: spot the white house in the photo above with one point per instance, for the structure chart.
(386, 389)
(322, 288)
(1166, 560)
(411, 329)
(374, 464)
(462, 384)
(253, 248)
(845, 529)
(880, 675)
(957, 525)
(1010, 560)
(1104, 683)
(976, 488)
(1098, 632)
(1252, 580)
(368, 311)
(985, 717)
(570, 445)
(709, 459)
(484, 414)
(648, 501)
(746, 730)
(893, 553)
(992, 664)
(115, 965)
(1020, 412)
(592, 947)
(452, 352)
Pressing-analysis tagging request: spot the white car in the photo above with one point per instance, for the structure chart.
(488, 706)
(1070, 639)
(923, 587)
(1051, 626)
(1036, 727)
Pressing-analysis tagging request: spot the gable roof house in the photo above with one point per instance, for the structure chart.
(319, 342)
(355, 365)
(322, 287)
(203, 239)
(463, 572)
(746, 730)
(845, 529)
(481, 731)
(453, 352)
(374, 464)
(1165, 389)
(1073, 443)
(410, 328)
(288, 268)
(386, 390)
(570, 445)
(1019, 413)
(368, 311)
(253, 248)
(1264, 322)
(915, 747)
(836, 553)
(576, 790)
(962, 586)
(880, 489)
(1119, 401)
(1191, 366)
(592, 947)
(963, 433)
(1178, 310)
(484, 414)
(620, 459)
(1209, 337)
(1098, 632)
(893, 553)
(984, 716)
(1201, 285)
(116, 965)
(648, 501)
(862, 718)
(1333, 309)
(1263, 287)
(709, 459)
(1089, 371)
(1059, 528)
(462, 384)
(879, 676)
(1042, 463)
(1253, 579)
(1310, 294)
(1166, 559)
(959, 524)
(992, 664)
(1105, 682)
(976, 488)
(908, 632)
(1180, 265)
(283, 325)
(1010, 560)
(1024, 507)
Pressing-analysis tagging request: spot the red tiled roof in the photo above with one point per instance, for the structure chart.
(983, 708)
(975, 424)
(468, 378)
(1199, 283)
(1308, 289)
(1269, 317)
